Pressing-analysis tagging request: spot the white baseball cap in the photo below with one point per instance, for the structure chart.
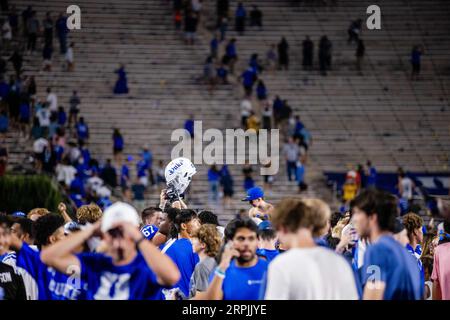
(119, 212)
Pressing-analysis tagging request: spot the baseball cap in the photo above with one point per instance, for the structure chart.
(119, 212)
(265, 225)
(19, 214)
(254, 193)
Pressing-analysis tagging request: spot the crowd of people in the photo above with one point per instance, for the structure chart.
(296, 249)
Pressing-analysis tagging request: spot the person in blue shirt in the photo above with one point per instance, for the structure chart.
(51, 284)
(248, 79)
(222, 74)
(62, 31)
(230, 56)
(416, 56)
(62, 117)
(82, 130)
(141, 170)
(179, 249)
(261, 91)
(125, 174)
(214, 46)
(389, 272)
(151, 220)
(413, 224)
(148, 158)
(241, 273)
(241, 15)
(189, 125)
(117, 145)
(132, 268)
(24, 117)
(267, 240)
(213, 180)
(371, 175)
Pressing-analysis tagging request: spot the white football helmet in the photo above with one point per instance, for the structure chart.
(179, 174)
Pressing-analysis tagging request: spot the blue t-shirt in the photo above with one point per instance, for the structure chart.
(231, 50)
(51, 284)
(180, 251)
(141, 168)
(62, 117)
(242, 283)
(149, 231)
(25, 111)
(125, 173)
(189, 126)
(248, 78)
(372, 177)
(106, 281)
(387, 261)
(82, 131)
(118, 142)
(268, 254)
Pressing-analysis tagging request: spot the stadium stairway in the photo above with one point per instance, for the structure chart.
(380, 115)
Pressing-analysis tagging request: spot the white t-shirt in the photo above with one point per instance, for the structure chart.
(39, 145)
(65, 173)
(310, 274)
(52, 99)
(246, 107)
(407, 186)
(43, 116)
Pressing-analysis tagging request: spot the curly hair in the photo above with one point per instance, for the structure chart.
(38, 211)
(89, 213)
(412, 222)
(208, 234)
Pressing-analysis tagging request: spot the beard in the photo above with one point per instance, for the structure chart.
(242, 259)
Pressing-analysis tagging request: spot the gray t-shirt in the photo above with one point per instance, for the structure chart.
(200, 277)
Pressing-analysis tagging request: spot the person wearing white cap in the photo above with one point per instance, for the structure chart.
(132, 268)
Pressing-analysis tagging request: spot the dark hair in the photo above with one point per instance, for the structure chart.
(208, 217)
(381, 203)
(267, 234)
(26, 225)
(334, 219)
(5, 221)
(45, 226)
(234, 225)
(184, 216)
(149, 212)
(446, 225)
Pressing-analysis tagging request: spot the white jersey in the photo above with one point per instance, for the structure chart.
(31, 288)
(310, 274)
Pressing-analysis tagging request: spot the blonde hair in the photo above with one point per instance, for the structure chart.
(89, 213)
(38, 211)
(208, 234)
(321, 211)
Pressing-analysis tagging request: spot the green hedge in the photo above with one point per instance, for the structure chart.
(23, 193)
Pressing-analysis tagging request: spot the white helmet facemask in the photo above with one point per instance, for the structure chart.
(179, 174)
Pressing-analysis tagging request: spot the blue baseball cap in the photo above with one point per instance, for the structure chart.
(265, 225)
(19, 214)
(254, 193)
